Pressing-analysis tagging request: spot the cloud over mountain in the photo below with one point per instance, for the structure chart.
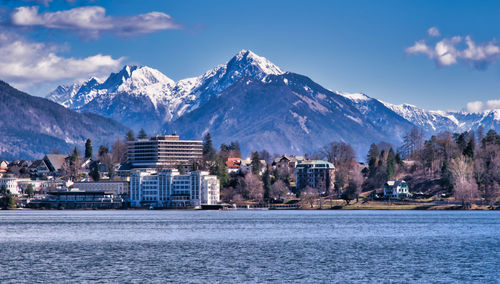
(26, 62)
(452, 50)
(479, 106)
(92, 21)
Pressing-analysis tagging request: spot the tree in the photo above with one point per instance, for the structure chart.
(465, 189)
(391, 164)
(119, 152)
(142, 134)
(220, 170)
(94, 171)
(29, 190)
(72, 165)
(309, 195)
(7, 201)
(372, 159)
(256, 163)
(209, 152)
(255, 187)
(88, 149)
(279, 189)
(130, 136)
(3, 189)
(413, 141)
(266, 180)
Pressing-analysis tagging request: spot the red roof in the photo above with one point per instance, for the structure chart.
(233, 162)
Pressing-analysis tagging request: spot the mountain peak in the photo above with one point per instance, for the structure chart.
(246, 59)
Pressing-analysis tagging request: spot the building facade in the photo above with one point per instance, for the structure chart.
(118, 188)
(168, 189)
(15, 185)
(317, 174)
(163, 152)
(396, 189)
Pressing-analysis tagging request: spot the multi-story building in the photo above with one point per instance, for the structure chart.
(168, 188)
(316, 174)
(14, 185)
(118, 188)
(163, 152)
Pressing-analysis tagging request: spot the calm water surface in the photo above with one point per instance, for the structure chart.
(249, 246)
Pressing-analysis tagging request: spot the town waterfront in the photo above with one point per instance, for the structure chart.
(249, 246)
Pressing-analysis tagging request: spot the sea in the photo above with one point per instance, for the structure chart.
(247, 246)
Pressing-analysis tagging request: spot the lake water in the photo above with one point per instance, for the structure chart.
(249, 246)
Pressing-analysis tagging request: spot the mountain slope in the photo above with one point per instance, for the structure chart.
(286, 113)
(224, 100)
(142, 97)
(32, 126)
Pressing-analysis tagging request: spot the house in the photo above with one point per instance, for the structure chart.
(233, 165)
(54, 162)
(4, 165)
(396, 189)
(246, 166)
(317, 174)
(287, 162)
(38, 168)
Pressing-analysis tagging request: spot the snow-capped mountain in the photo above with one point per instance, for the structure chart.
(128, 94)
(233, 101)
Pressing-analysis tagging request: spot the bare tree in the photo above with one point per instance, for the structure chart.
(119, 152)
(465, 188)
(309, 195)
(413, 141)
(279, 189)
(254, 186)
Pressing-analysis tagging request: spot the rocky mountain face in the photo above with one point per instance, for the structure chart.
(251, 100)
(32, 126)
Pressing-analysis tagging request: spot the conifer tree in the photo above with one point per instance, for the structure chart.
(130, 136)
(142, 134)
(88, 149)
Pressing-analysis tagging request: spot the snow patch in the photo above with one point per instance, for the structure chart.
(301, 120)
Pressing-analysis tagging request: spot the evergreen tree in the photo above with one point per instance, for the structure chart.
(266, 180)
(88, 149)
(29, 190)
(469, 149)
(142, 134)
(74, 156)
(94, 171)
(446, 178)
(209, 153)
(372, 159)
(255, 163)
(130, 136)
(391, 160)
(220, 170)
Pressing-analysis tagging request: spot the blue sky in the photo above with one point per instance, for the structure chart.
(350, 46)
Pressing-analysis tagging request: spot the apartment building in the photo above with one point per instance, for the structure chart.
(169, 189)
(163, 152)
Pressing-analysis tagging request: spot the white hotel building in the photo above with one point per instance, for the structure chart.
(168, 189)
(118, 188)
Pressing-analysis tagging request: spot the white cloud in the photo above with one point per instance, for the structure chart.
(479, 106)
(450, 51)
(434, 32)
(92, 21)
(26, 63)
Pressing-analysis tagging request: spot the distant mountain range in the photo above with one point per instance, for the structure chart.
(32, 126)
(251, 100)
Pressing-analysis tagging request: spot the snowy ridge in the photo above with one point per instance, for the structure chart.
(171, 99)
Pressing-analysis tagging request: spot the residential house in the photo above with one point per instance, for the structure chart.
(233, 165)
(396, 189)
